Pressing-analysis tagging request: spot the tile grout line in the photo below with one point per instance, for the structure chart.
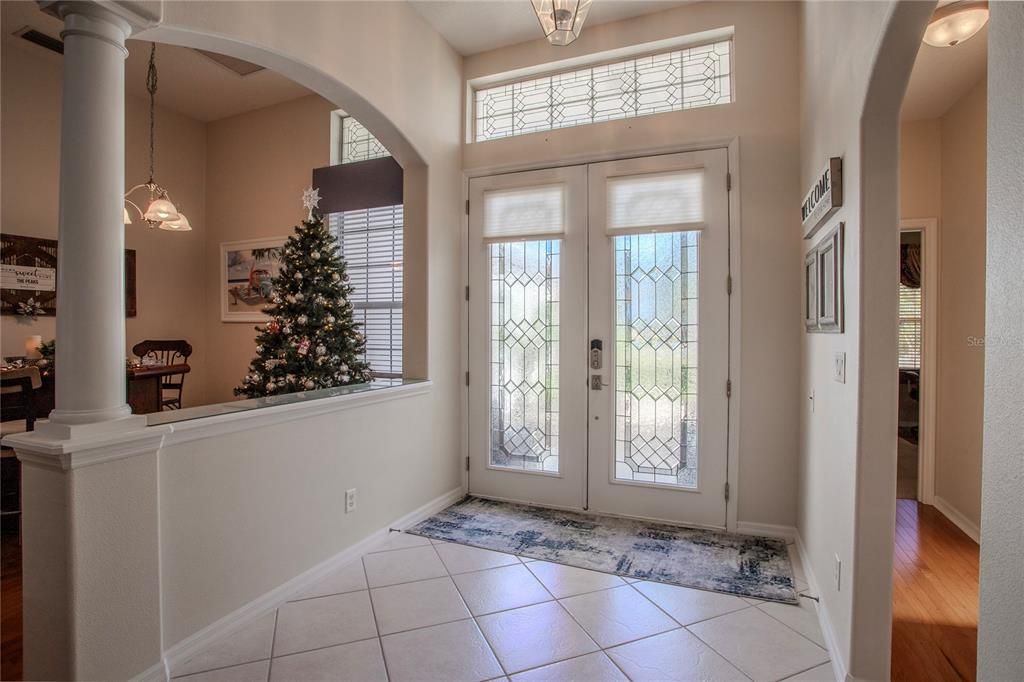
(373, 614)
(476, 623)
(273, 643)
(792, 629)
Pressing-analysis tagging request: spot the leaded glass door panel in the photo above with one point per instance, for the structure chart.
(659, 304)
(527, 322)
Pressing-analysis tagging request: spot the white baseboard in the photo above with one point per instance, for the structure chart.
(839, 667)
(959, 520)
(178, 653)
(771, 530)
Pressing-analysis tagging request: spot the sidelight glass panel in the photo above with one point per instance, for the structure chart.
(656, 358)
(524, 284)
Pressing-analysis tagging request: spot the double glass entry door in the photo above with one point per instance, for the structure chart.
(599, 335)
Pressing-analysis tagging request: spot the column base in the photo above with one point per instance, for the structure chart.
(71, 425)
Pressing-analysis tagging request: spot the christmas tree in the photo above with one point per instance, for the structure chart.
(311, 340)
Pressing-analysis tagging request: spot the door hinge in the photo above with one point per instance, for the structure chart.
(728, 388)
(728, 285)
(467, 462)
(726, 483)
(467, 292)
(467, 206)
(467, 378)
(728, 182)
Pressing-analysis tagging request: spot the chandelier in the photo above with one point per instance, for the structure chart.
(161, 212)
(561, 20)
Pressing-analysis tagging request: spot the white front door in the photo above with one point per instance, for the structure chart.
(598, 337)
(659, 306)
(527, 322)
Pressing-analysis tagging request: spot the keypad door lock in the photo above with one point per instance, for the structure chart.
(595, 354)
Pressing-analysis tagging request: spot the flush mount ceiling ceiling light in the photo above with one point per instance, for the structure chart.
(561, 20)
(954, 23)
(161, 212)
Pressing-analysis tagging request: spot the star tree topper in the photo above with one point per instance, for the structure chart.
(311, 200)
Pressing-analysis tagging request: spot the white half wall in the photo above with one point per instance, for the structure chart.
(1001, 626)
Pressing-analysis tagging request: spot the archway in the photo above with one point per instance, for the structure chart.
(870, 631)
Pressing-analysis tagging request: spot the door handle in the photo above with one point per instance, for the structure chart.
(597, 382)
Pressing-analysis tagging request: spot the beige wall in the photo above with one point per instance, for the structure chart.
(257, 165)
(170, 285)
(942, 175)
(839, 43)
(764, 117)
(1000, 626)
(921, 168)
(962, 306)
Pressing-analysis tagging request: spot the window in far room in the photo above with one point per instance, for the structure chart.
(371, 243)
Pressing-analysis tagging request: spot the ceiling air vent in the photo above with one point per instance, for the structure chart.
(41, 39)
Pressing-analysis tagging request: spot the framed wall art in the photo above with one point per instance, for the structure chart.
(28, 270)
(823, 289)
(247, 269)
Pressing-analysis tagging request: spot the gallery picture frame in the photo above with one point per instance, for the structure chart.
(246, 266)
(827, 290)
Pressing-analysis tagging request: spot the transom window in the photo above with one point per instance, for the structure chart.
(670, 81)
(371, 244)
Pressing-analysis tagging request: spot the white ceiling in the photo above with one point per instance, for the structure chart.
(472, 26)
(189, 82)
(943, 75)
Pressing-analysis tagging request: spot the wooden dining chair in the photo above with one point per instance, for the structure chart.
(166, 352)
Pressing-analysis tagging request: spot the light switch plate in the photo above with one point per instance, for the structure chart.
(839, 367)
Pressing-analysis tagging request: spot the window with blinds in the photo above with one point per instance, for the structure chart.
(371, 244)
(910, 328)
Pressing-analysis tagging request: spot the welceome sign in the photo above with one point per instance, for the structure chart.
(824, 198)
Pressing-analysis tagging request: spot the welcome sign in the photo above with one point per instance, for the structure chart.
(824, 198)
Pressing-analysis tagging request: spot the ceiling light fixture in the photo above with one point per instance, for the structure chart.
(161, 212)
(561, 20)
(954, 23)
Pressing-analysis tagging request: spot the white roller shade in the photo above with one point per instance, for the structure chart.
(524, 213)
(656, 202)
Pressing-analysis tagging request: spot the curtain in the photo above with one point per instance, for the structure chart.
(910, 265)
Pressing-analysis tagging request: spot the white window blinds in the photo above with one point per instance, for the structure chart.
(524, 213)
(910, 328)
(371, 243)
(656, 202)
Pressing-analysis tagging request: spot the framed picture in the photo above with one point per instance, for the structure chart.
(28, 270)
(811, 290)
(827, 294)
(247, 269)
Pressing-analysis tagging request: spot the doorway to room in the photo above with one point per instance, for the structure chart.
(911, 333)
(598, 334)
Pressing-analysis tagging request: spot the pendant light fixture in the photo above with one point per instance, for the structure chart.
(561, 20)
(161, 212)
(956, 22)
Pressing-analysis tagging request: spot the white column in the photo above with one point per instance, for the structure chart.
(90, 359)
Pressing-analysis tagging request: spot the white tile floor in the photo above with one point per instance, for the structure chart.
(420, 610)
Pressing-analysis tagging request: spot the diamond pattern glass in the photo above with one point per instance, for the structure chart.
(524, 354)
(656, 358)
(358, 144)
(671, 81)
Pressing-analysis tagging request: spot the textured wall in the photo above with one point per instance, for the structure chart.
(1001, 627)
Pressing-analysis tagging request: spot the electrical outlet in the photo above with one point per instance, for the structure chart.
(837, 572)
(839, 367)
(350, 500)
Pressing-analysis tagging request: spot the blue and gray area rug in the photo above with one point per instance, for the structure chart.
(743, 565)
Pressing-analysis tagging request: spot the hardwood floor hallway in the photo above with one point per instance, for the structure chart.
(935, 597)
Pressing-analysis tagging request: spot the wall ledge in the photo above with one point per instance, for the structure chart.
(218, 425)
(74, 453)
